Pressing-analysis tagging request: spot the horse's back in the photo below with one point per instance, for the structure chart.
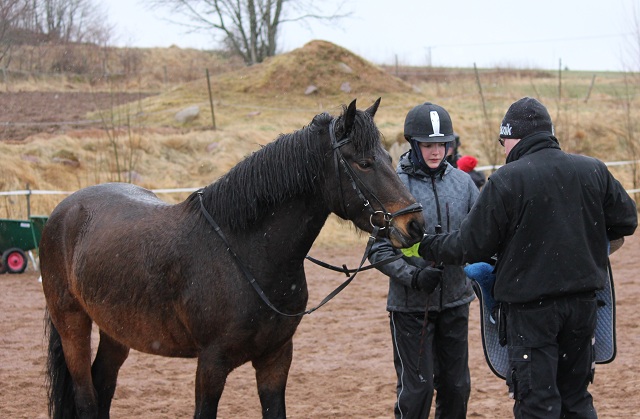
(92, 206)
(107, 195)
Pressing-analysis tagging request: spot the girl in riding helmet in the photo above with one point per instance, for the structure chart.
(430, 353)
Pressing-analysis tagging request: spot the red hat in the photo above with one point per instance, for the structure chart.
(467, 163)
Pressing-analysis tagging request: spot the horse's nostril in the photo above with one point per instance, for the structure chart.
(416, 231)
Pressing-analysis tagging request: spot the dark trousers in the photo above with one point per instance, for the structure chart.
(444, 363)
(550, 346)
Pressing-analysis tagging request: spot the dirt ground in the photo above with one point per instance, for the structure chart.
(342, 366)
(27, 113)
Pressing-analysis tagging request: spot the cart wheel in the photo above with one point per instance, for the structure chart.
(14, 261)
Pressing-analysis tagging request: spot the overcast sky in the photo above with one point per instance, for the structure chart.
(543, 34)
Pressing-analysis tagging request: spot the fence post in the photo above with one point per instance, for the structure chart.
(593, 80)
(213, 117)
(28, 202)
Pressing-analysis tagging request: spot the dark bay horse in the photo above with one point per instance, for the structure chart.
(163, 279)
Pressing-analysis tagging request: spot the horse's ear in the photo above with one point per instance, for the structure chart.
(371, 110)
(349, 118)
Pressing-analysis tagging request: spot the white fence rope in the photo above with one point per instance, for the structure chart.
(40, 192)
(189, 190)
(611, 163)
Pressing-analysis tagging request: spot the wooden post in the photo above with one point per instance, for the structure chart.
(559, 89)
(28, 202)
(593, 81)
(213, 117)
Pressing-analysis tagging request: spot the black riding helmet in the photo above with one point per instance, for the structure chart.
(428, 123)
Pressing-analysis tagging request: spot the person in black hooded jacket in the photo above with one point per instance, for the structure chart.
(549, 216)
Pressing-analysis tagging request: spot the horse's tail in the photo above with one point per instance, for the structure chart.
(58, 380)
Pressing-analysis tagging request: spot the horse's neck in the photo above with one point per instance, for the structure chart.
(291, 228)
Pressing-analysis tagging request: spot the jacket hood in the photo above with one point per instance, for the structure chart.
(407, 166)
(531, 144)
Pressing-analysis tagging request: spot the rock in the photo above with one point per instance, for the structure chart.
(187, 114)
(346, 87)
(310, 89)
(30, 158)
(66, 162)
(345, 68)
(134, 176)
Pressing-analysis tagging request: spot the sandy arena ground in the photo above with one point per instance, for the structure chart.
(342, 366)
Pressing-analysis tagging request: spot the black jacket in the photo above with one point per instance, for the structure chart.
(547, 215)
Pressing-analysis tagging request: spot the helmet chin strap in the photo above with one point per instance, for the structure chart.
(416, 157)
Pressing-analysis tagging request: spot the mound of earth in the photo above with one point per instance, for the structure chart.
(329, 68)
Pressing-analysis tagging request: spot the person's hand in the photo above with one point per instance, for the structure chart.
(426, 279)
(423, 249)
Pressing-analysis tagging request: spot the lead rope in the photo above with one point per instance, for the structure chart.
(423, 334)
(425, 322)
(255, 284)
(415, 207)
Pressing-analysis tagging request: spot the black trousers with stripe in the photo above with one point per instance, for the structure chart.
(444, 363)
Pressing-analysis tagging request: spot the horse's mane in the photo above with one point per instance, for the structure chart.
(290, 166)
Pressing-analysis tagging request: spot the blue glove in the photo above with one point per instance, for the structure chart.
(482, 273)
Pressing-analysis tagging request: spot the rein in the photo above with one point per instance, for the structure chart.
(387, 217)
(260, 291)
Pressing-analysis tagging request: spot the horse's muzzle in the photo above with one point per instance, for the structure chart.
(407, 230)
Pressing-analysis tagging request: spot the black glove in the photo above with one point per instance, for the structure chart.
(423, 249)
(426, 279)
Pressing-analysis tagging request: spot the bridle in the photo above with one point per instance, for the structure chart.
(387, 217)
(355, 181)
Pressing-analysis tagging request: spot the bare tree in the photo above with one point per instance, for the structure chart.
(250, 28)
(11, 12)
(57, 21)
(68, 21)
(52, 23)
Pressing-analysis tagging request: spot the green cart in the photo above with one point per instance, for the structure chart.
(17, 237)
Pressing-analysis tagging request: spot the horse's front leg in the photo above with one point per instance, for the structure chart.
(211, 375)
(272, 371)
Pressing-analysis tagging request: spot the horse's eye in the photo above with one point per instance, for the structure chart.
(364, 164)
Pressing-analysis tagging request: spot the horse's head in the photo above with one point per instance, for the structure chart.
(362, 185)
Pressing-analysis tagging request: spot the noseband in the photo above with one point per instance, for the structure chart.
(339, 160)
